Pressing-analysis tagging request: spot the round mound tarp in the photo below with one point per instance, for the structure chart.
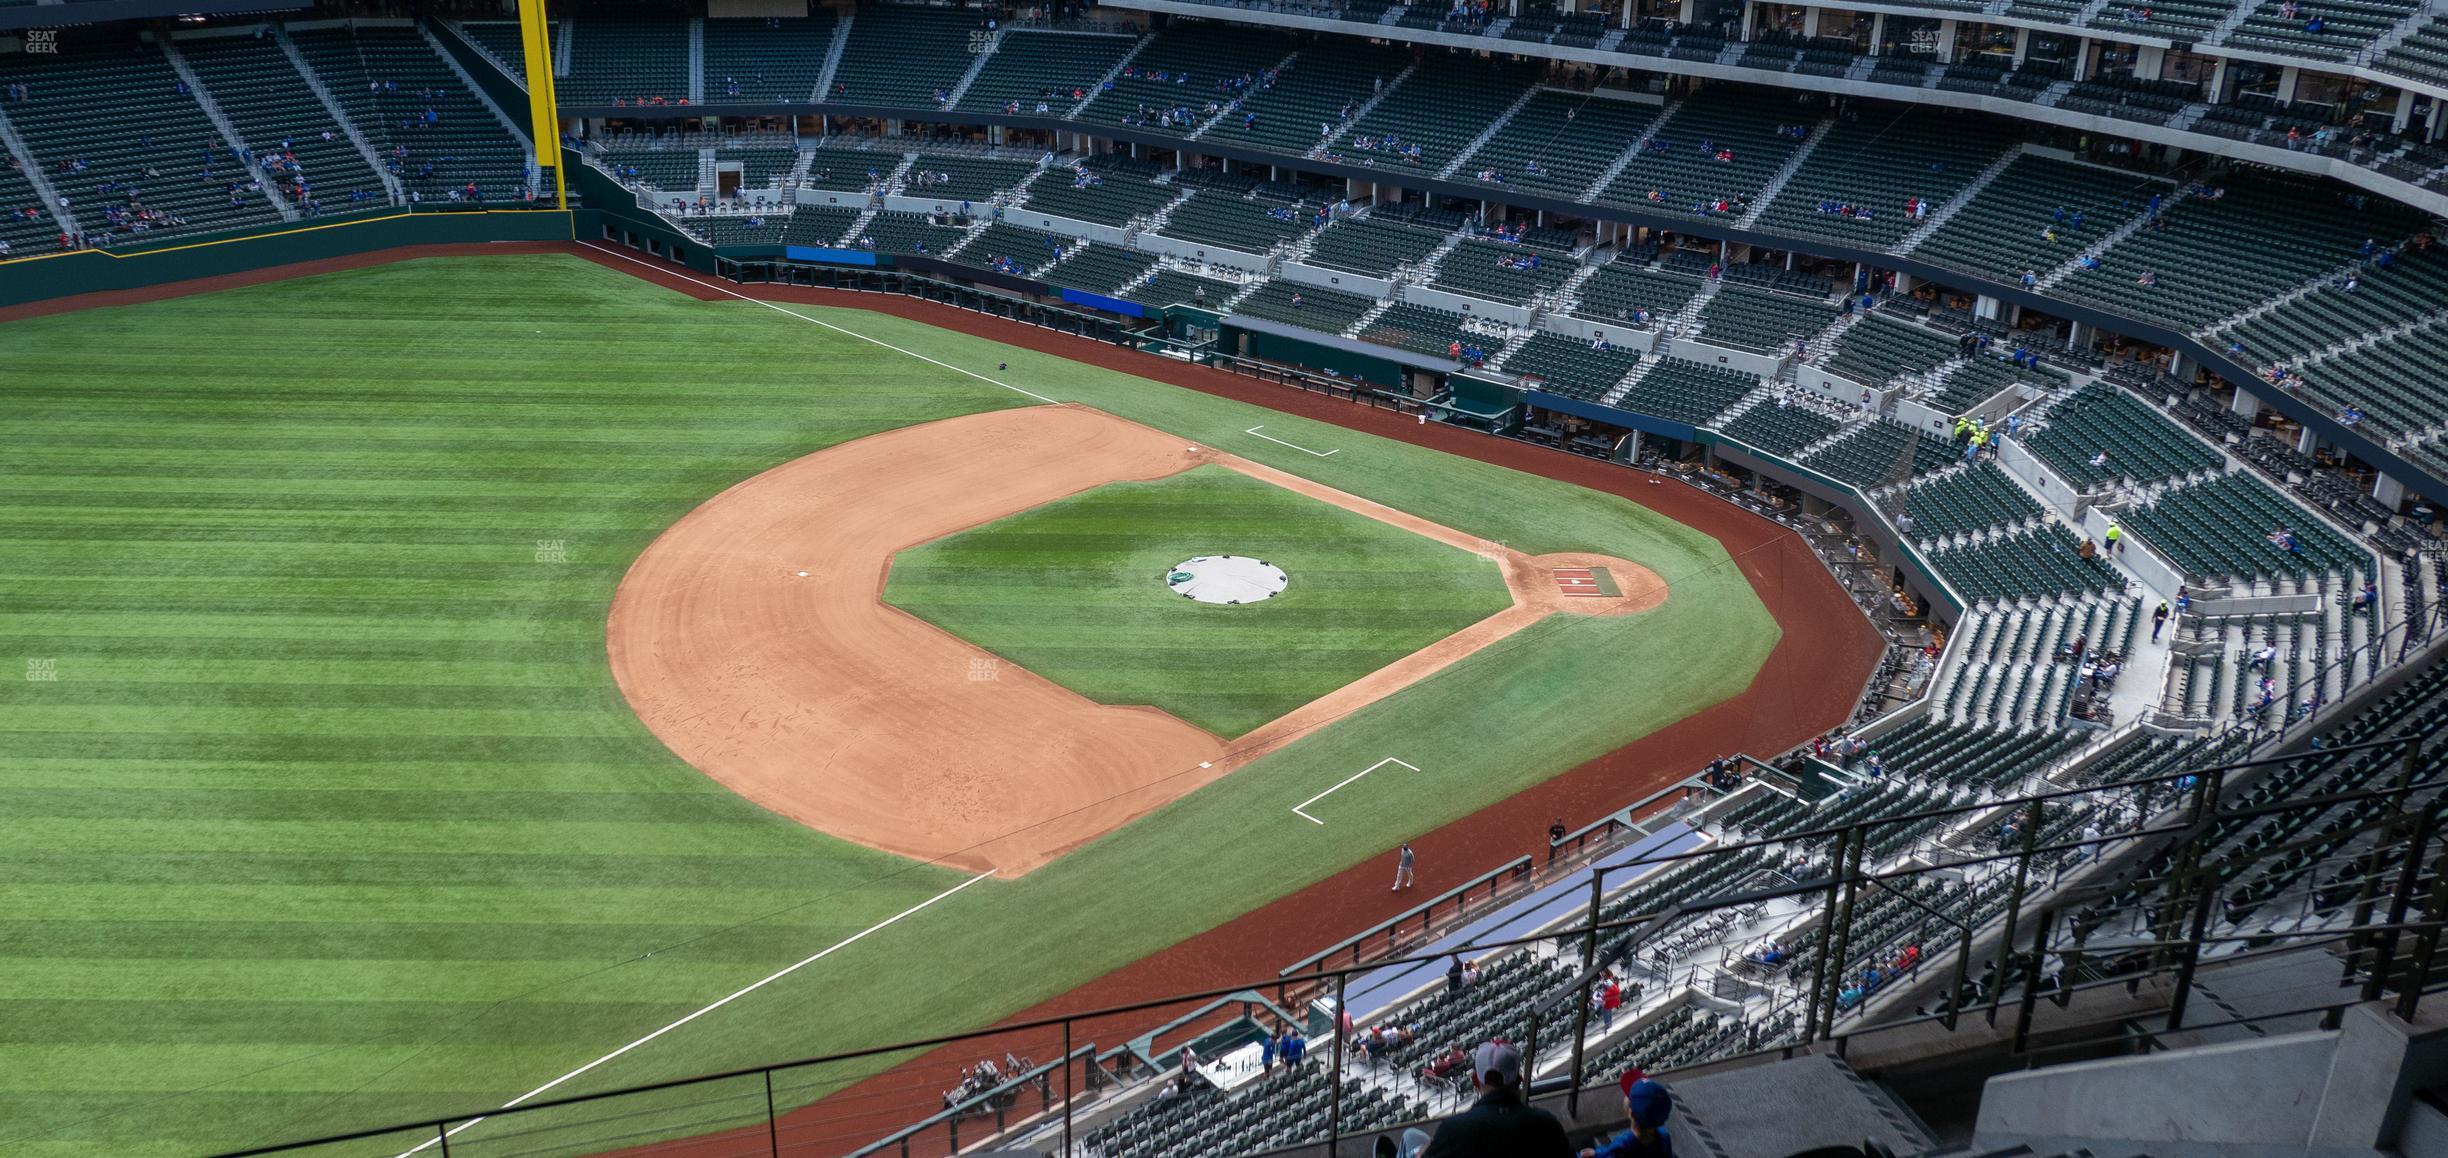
(1226, 579)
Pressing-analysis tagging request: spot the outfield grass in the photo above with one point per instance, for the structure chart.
(332, 814)
(1074, 592)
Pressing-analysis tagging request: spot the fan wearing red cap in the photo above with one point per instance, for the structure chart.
(1648, 1105)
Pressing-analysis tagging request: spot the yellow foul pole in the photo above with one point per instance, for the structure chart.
(543, 108)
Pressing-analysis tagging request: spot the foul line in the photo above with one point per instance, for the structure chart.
(718, 288)
(1296, 809)
(743, 992)
(1293, 445)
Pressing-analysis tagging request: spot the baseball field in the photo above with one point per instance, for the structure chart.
(433, 681)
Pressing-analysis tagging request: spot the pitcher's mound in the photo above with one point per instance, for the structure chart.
(1226, 579)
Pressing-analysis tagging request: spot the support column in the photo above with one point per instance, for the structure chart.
(2022, 45)
(2245, 404)
(1810, 21)
(2304, 441)
(1878, 32)
(2149, 60)
(1946, 41)
(2286, 84)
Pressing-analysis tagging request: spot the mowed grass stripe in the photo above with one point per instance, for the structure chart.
(341, 401)
(785, 937)
(1074, 591)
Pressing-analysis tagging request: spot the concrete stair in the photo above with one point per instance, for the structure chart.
(564, 37)
(331, 105)
(2140, 220)
(1631, 153)
(1785, 173)
(833, 56)
(1098, 88)
(1235, 103)
(696, 59)
(1366, 107)
(1955, 204)
(977, 65)
(1487, 134)
(34, 176)
(229, 132)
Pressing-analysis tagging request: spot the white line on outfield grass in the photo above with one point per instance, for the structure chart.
(1296, 809)
(723, 289)
(769, 979)
(1293, 445)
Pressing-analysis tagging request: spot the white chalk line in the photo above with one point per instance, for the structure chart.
(744, 991)
(1296, 809)
(821, 322)
(1293, 445)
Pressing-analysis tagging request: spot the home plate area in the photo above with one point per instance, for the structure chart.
(1586, 581)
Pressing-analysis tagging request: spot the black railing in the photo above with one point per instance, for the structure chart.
(1818, 888)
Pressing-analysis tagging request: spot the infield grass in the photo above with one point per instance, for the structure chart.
(322, 810)
(1074, 591)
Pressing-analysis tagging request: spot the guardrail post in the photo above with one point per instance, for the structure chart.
(2014, 901)
(2031, 979)
(2190, 955)
(1589, 960)
(773, 1128)
(2402, 897)
(2426, 947)
(1067, 1095)
(1827, 938)
(1334, 1099)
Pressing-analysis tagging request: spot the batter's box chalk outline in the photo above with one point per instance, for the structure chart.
(1297, 809)
(1293, 445)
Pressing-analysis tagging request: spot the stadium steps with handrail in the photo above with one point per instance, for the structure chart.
(2266, 305)
(1793, 164)
(15, 146)
(477, 91)
(1110, 74)
(1941, 215)
(1235, 103)
(565, 35)
(331, 105)
(221, 123)
(1631, 152)
(1361, 113)
(1485, 135)
(977, 65)
(2132, 225)
(833, 55)
(696, 59)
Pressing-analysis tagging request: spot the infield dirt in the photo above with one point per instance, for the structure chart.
(753, 639)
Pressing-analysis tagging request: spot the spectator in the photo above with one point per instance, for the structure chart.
(1502, 1123)
(2159, 620)
(1647, 1104)
(1454, 979)
(1402, 857)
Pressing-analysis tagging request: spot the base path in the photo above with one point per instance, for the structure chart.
(753, 639)
(1808, 685)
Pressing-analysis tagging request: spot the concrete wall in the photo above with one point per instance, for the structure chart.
(2251, 1099)
(1763, 365)
(1063, 226)
(2138, 556)
(1191, 251)
(1619, 333)
(1335, 279)
(1439, 299)
(2054, 490)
